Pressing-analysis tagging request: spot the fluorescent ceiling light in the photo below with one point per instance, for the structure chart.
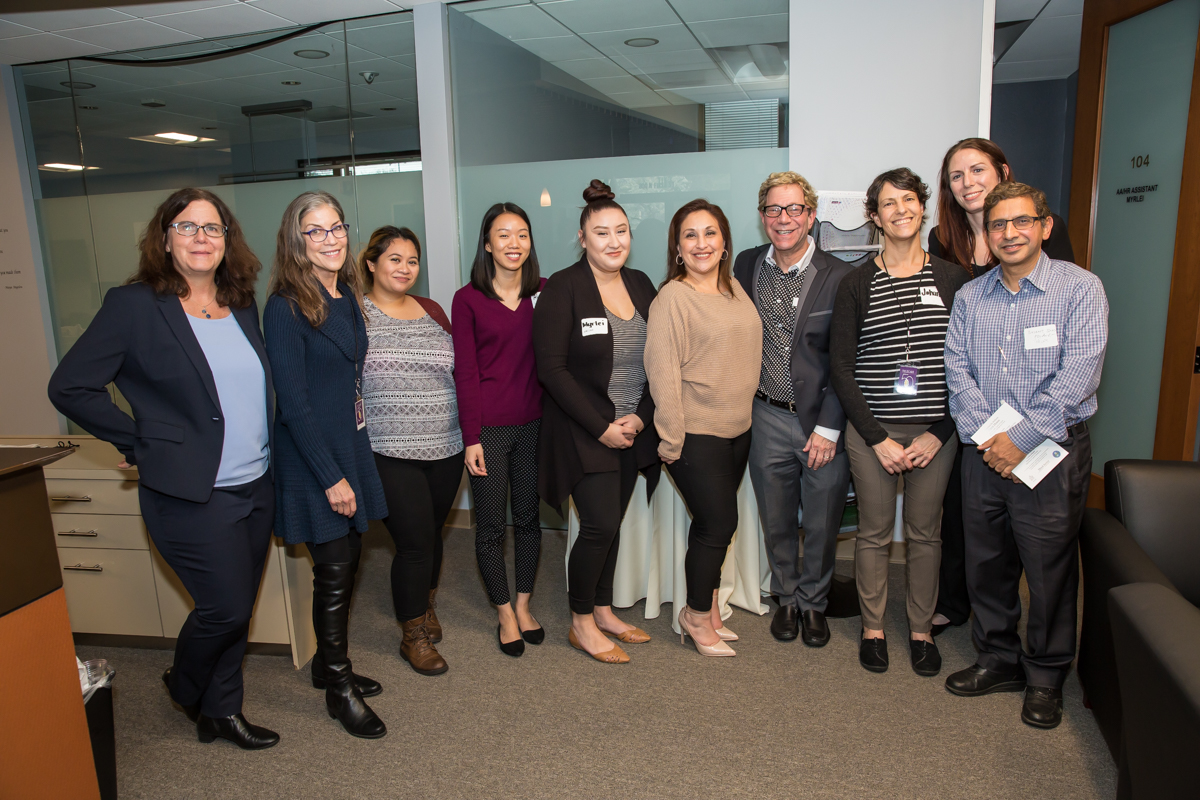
(179, 137)
(173, 138)
(57, 167)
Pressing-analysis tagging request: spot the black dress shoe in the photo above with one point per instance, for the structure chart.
(514, 649)
(236, 730)
(785, 625)
(872, 654)
(535, 636)
(192, 710)
(814, 630)
(1042, 707)
(926, 659)
(975, 681)
(938, 629)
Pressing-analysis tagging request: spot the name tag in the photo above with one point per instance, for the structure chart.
(930, 297)
(534, 298)
(1041, 336)
(594, 325)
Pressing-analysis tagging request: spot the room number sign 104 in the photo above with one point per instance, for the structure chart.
(1139, 161)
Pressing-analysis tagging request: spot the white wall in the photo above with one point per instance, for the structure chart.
(877, 85)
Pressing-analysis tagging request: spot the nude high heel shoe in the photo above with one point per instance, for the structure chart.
(715, 650)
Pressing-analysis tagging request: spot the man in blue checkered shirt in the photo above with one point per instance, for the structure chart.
(1031, 333)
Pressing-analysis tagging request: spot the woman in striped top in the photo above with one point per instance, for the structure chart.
(886, 341)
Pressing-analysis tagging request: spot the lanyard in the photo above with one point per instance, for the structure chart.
(908, 312)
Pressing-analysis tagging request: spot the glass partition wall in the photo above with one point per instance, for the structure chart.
(664, 101)
(255, 119)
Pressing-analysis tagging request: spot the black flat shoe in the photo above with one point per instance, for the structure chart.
(535, 636)
(872, 654)
(814, 630)
(785, 625)
(1043, 707)
(514, 649)
(975, 681)
(926, 659)
(192, 710)
(235, 729)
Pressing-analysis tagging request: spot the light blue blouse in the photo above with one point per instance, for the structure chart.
(241, 390)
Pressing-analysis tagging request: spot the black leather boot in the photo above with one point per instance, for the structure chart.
(367, 687)
(333, 585)
(236, 730)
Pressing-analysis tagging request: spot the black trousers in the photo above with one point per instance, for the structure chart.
(510, 455)
(601, 499)
(953, 601)
(707, 474)
(1009, 525)
(419, 495)
(218, 550)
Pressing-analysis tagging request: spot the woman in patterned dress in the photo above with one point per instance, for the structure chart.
(412, 418)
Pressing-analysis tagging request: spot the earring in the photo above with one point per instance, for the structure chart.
(724, 254)
(679, 260)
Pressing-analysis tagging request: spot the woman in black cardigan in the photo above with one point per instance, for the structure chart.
(327, 485)
(589, 333)
(181, 341)
(887, 338)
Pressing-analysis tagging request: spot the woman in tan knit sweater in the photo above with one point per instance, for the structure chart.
(703, 351)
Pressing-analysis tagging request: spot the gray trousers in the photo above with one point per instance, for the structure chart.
(783, 484)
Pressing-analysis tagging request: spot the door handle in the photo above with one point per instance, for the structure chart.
(66, 498)
(82, 568)
(74, 532)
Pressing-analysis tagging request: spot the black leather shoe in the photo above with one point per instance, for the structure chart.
(1042, 707)
(236, 730)
(975, 681)
(514, 648)
(192, 710)
(785, 625)
(366, 686)
(535, 636)
(872, 654)
(926, 659)
(814, 630)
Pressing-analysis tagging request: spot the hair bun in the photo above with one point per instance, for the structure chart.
(598, 190)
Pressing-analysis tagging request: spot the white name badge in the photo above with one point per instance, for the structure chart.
(534, 298)
(1040, 461)
(594, 325)
(1041, 336)
(930, 297)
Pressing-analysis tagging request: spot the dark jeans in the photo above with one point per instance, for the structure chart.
(218, 550)
(419, 495)
(707, 474)
(953, 602)
(601, 499)
(1008, 526)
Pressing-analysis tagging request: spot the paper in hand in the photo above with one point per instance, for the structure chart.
(1040, 461)
(1005, 417)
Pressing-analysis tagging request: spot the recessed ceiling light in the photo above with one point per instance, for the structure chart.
(177, 137)
(58, 167)
(641, 42)
(388, 108)
(77, 85)
(173, 137)
(89, 108)
(313, 54)
(290, 83)
(153, 103)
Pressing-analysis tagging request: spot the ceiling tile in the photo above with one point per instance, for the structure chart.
(130, 35)
(624, 83)
(520, 22)
(234, 67)
(41, 45)
(752, 30)
(586, 68)
(705, 10)
(1019, 71)
(1047, 38)
(597, 16)
(558, 48)
(307, 12)
(644, 98)
(223, 21)
(670, 38)
(713, 94)
(53, 21)
(8, 30)
(481, 5)
(391, 39)
(143, 10)
(1017, 10)
(646, 60)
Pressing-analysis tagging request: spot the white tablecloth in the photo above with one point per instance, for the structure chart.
(654, 541)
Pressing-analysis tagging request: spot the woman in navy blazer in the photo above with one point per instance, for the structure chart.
(181, 341)
(327, 487)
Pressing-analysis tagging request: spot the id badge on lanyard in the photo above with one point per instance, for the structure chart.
(907, 376)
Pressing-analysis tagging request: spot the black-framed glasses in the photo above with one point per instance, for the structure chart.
(793, 211)
(1021, 223)
(191, 229)
(319, 235)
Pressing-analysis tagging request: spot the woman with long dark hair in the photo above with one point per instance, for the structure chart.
(597, 426)
(327, 486)
(703, 358)
(500, 411)
(970, 170)
(181, 341)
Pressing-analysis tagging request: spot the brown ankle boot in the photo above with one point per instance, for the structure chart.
(431, 621)
(418, 651)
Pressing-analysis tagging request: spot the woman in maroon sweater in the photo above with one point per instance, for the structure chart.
(500, 410)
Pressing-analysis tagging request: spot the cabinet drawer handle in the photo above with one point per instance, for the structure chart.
(74, 532)
(82, 568)
(66, 498)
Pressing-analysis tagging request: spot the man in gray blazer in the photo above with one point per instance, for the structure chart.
(797, 451)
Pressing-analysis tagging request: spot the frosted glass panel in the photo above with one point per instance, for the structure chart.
(651, 188)
(1148, 87)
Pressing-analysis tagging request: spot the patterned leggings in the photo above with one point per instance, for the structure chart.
(510, 455)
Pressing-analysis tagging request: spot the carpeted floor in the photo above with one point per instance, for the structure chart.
(779, 721)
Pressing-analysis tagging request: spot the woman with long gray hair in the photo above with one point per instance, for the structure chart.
(327, 487)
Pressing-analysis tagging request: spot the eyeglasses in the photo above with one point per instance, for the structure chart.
(793, 211)
(191, 229)
(319, 235)
(1021, 223)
